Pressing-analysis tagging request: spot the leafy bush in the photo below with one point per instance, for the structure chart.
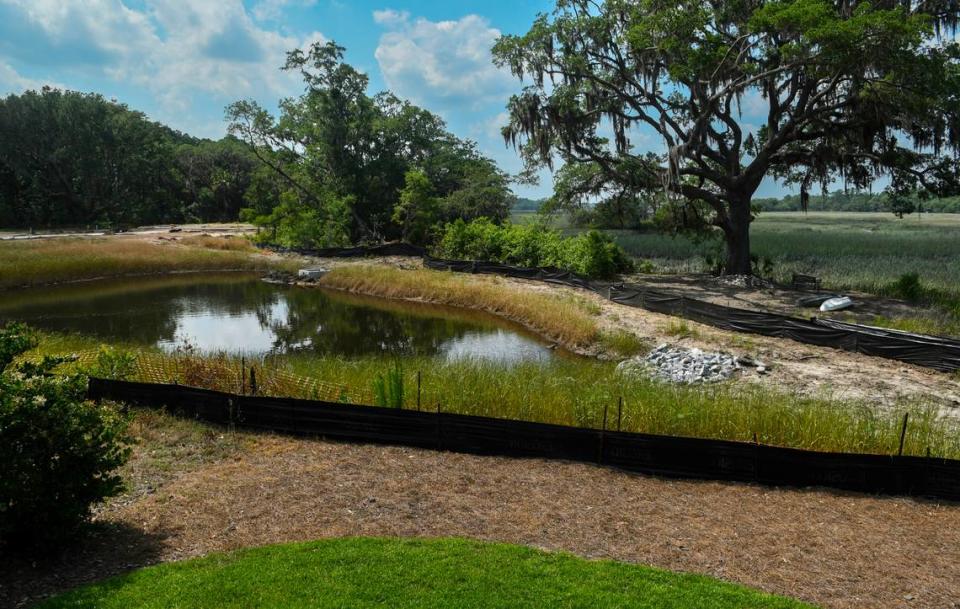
(592, 254)
(113, 363)
(58, 451)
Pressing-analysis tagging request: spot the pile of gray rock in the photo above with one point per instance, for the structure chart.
(682, 365)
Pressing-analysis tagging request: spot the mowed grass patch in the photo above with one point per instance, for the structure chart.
(570, 320)
(46, 261)
(441, 573)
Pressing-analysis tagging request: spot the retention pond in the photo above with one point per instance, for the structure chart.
(237, 313)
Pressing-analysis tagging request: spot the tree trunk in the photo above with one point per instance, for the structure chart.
(737, 235)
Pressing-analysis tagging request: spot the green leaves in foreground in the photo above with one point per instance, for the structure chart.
(363, 572)
(59, 453)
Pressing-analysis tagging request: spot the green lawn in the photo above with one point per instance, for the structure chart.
(447, 573)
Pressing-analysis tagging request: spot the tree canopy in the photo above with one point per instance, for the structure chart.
(339, 160)
(851, 90)
(76, 159)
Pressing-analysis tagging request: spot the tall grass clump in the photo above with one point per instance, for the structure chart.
(567, 320)
(388, 387)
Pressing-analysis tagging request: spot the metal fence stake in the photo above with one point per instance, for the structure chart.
(903, 433)
(603, 436)
(619, 411)
(418, 390)
(253, 381)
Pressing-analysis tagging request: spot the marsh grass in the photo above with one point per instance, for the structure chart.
(567, 392)
(224, 242)
(568, 319)
(623, 343)
(860, 251)
(46, 261)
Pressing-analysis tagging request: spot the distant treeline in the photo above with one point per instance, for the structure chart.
(524, 204)
(840, 201)
(339, 167)
(76, 159)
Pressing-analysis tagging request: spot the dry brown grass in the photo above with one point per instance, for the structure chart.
(566, 319)
(46, 261)
(230, 243)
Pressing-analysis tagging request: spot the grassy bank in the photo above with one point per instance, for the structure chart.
(569, 319)
(564, 392)
(365, 572)
(46, 261)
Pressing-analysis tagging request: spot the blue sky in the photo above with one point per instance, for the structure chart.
(183, 61)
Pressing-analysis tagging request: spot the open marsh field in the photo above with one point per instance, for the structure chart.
(857, 250)
(860, 251)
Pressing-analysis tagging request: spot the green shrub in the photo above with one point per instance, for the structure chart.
(908, 287)
(592, 254)
(58, 451)
(113, 363)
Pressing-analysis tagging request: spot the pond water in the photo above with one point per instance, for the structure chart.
(240, 314)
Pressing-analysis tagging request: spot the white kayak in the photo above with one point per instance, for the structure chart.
(836, 304)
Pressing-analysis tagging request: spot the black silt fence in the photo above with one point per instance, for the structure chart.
(643, 453)
(938, 353)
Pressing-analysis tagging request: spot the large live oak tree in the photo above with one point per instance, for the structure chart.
(850, 90)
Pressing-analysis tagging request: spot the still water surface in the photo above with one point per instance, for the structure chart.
(239, 314)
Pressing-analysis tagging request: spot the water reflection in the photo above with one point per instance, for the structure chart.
(241, 314)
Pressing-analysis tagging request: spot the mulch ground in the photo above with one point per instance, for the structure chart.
(837, 550)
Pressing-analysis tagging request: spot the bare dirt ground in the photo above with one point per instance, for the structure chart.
(841, 551)
(140, 232)
(778, 299)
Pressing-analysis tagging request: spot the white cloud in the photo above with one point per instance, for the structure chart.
(12, 82)
(176, 49)
(390, 17)
(269, 10)
(441, 63)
